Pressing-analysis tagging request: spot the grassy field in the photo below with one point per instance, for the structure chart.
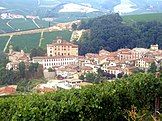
(3, 41)
(26, 42)
(143, 17)
(50, 36)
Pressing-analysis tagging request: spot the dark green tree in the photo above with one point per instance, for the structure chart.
(22, 69)
(37, 52)
(153, 68)
(74, 26)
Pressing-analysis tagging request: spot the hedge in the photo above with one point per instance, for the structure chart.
(103, 102)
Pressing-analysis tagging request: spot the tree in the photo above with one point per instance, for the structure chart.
(22, 69)
(81, 77)
(74, 26)
(3, 59)
(22, 85)
(37, 52)
(153, 68)
(50, 70)
(110, 32)
(90, 77)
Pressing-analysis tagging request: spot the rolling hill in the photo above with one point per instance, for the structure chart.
(29, 41)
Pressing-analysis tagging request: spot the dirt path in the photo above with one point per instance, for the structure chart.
(41, 38)
(31, 31)
(7, 43)
(9, 25)
(35, 23)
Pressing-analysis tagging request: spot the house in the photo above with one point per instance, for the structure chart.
(115, 70)
(144, 63)
(11, 16)
(8, 90)
(86, 69)
(69, 84)
(67, 71)
(32, 17)
(16, 57)
(103, 52)
(54, 61)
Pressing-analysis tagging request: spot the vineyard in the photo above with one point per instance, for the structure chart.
(3, 41)
(30, 41)
(129, 19)
(21, 24)
(26, 42)
(130, 98)
(50, 36)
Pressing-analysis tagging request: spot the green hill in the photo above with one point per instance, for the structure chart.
(142, 17)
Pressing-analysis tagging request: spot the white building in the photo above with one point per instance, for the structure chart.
(50, 62)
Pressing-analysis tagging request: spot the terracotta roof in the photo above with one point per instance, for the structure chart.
(8, 90)
(62, 42)
(46, 89)
(86, 68)
(149, 60)
(91, 55)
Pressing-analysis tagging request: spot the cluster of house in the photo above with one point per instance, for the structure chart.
(16, 57)
(62, 57)
(16, 16)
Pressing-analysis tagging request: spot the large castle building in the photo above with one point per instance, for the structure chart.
(59, 53)
(61, 47)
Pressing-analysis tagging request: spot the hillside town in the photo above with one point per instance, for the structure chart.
(63, 66)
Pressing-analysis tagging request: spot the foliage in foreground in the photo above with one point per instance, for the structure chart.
(103, 102)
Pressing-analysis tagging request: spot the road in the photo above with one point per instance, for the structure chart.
(32, 31)
(7, 43)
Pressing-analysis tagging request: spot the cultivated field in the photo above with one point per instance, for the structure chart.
(143, 17)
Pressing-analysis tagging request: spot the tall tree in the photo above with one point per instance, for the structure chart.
(22, 69)
(153, 68)
(37, 52)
